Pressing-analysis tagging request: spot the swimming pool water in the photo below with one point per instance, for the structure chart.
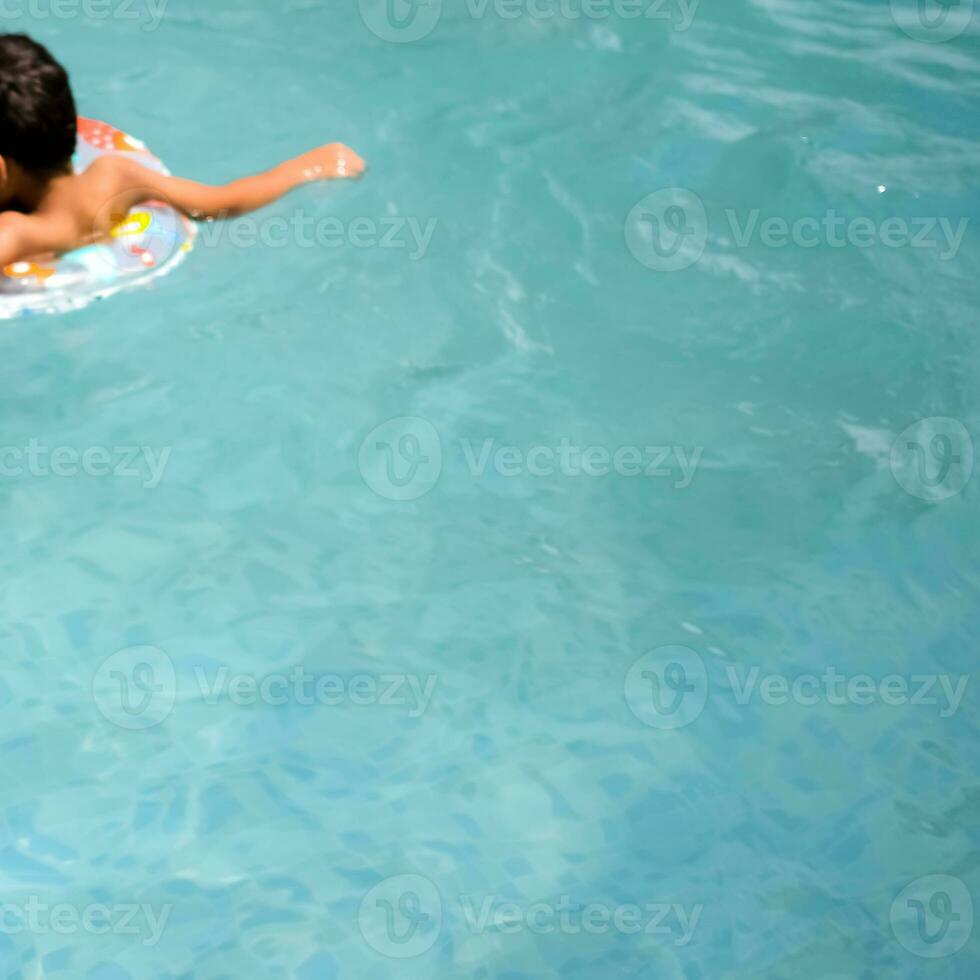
(535, 560)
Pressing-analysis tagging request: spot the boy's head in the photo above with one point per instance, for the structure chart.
(38, 122)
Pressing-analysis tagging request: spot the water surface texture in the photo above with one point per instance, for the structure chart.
(552, 556)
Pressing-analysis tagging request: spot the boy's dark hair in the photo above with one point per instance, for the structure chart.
(38, 121)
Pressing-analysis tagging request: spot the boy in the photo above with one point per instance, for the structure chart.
(47, 208)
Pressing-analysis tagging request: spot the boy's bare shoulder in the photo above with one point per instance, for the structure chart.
(93, 197)
(109, 173)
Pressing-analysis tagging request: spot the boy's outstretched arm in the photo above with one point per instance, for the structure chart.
(330, 162)
(83, 209)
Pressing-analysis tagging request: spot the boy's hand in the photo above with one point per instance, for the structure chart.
(330, 162)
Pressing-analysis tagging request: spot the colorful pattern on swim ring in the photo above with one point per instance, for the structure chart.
(150, 241)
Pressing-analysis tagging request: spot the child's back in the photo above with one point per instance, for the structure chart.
(47, 208)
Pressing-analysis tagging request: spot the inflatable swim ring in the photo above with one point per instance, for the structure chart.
(150, 241)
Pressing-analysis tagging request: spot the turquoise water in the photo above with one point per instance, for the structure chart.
(356, 665)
